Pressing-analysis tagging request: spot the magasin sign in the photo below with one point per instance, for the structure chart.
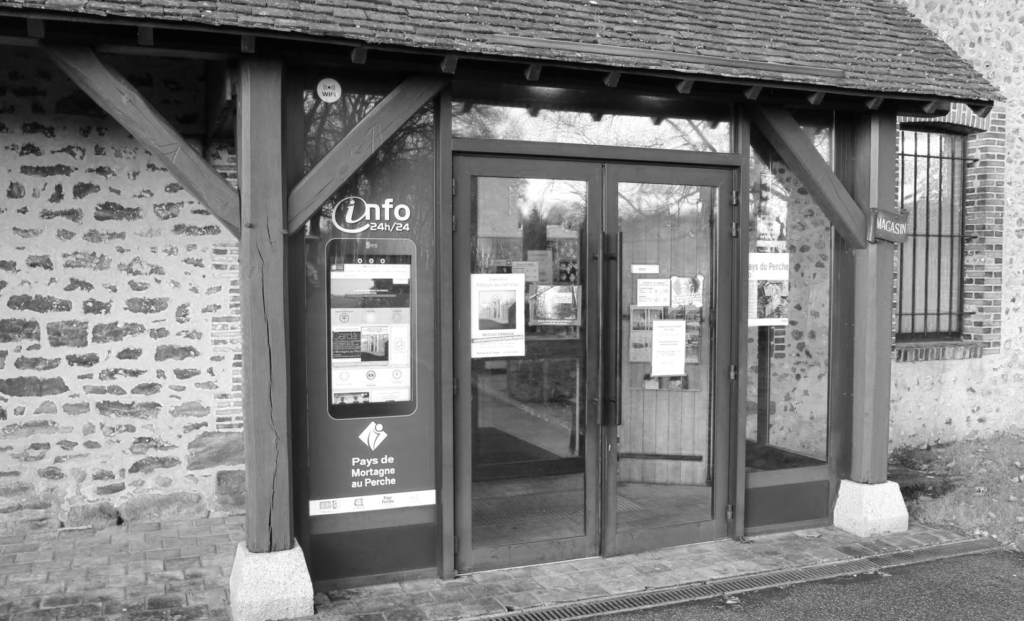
(887, 225)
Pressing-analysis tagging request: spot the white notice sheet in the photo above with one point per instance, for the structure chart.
(668, 348)
(653, 291)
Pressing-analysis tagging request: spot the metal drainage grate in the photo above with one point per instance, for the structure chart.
(717, 588)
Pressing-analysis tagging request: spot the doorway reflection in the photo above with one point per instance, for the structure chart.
(528, 404)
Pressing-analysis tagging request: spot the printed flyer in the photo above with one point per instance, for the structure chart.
(688, 291)
(653, 292)
(554, 305)
(769, 289)
(498, 328)
(668, 348)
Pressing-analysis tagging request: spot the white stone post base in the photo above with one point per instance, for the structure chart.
(271, 585)
(865, 510)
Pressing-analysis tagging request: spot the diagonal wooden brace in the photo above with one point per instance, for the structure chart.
(359, 146)
(121, 100)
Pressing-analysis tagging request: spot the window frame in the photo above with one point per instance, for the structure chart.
(956, 197)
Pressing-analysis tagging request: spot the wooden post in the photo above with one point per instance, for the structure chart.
(263, 257)
(873, 187)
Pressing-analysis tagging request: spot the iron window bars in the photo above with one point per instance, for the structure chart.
(932, 176)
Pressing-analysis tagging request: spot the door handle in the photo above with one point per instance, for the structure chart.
(613, 289)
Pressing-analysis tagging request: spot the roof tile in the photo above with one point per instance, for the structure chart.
(879, 45)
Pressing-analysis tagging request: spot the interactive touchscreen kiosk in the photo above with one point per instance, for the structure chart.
(370, 311)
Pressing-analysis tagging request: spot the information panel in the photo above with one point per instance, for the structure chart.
(370, 310)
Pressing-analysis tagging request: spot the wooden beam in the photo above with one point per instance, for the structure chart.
(874, 103)
(358, 55)
(931, 107)
(683, 87)
(146, 36)
(263, 270)
(784, 133)
(611, 79)
(359, 145)
(752, 93)
(981, 111)
(122, 101)
(873, 152)
(816, 98)
(36, 28)
(449, 63)
(532, 72)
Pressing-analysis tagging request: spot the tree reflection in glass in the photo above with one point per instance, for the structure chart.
(589, 128)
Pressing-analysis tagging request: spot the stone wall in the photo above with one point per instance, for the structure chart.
(119, 330)
(942, 399)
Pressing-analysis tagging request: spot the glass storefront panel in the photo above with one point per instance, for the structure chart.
(327, 122)
(528, 422)
(788, 318)
(564, 116)
(667, 275)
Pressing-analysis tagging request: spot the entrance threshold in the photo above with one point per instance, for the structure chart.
(706, 569)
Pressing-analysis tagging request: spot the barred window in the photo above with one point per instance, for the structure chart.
(932, 174)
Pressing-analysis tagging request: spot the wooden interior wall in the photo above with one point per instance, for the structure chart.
(666, 422)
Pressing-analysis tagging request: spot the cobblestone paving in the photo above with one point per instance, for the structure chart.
(178, 571)
(169, 571)
(500, 591)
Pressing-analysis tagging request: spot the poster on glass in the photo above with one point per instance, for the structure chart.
(769, 289)
(497, 317)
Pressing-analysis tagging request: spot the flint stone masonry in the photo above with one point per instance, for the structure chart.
(105, 262)
(948, 394)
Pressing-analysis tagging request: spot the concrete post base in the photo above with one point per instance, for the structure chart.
(272, 585)
(865, 510)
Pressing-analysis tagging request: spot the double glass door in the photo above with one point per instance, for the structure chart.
(591, 416)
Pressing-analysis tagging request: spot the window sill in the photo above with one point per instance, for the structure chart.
(936, 350)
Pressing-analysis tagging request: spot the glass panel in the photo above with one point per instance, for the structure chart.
(667, 276)
(528, 411)
(788, 334)
(327, 123)
(545, 124)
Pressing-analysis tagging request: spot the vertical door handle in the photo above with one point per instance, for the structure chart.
(612, 251)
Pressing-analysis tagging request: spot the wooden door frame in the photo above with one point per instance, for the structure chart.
(723, 387)
(464, 167)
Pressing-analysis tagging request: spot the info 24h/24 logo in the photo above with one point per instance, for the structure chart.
(361, 216)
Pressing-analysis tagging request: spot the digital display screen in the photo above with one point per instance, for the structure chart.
(371, 327)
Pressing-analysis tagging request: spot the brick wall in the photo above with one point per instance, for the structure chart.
(939, 397)
(983, 220)
(119, 326)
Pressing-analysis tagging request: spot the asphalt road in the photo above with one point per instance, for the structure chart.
(985, 587)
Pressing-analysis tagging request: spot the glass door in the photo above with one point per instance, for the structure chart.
(668, 349)
(527, 337)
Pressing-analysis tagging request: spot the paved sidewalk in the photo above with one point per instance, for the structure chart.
(171, 571)
(501, 591)
(178, 571)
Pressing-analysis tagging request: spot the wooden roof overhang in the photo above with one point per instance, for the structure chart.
(118, 35)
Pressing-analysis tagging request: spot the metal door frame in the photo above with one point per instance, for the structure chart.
(723, 382)
(466, 557)
(601, 479)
